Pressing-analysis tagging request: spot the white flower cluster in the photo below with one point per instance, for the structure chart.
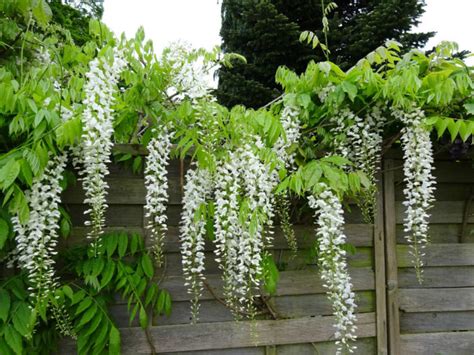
(341, 127)
(191, 77)
(156, 183)
(197, 190)
(244, 209)
(292, 131)
(365, 137)
(96, 145)
(420, 183)
(332, 262)
(36, 241)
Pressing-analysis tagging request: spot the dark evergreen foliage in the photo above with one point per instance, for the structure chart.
(267, 33)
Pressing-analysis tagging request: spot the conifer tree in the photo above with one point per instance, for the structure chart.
(267, 33)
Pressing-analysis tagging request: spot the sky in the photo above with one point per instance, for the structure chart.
(198, 21)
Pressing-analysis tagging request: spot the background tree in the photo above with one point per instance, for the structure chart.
(267, 33)
(74, 16)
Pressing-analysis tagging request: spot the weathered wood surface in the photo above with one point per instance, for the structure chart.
(284, 258)
(443, 192)
(442, 212)
(315, 305)
(359, 235)
(437, 300)
(446, 343)
(439, 255)
(285, 307)
(365, 346)
(125, 190)
(440, 156)
(441, 233)
(301, 282)
(393, 317)
(379, 261)
(445, 172)
(451, 276)
(209, 336)
(427, 322)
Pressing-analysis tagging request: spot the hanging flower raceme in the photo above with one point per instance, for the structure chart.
(332, 263)
(156, 183)
(243, 224)
(365, 137)
(96, 145)
(292, 131)
(197, 190)
(291, 134)
(36, 241)
(420, 183)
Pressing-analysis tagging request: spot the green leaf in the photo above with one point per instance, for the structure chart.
(4, 348)
(21, 318)
(13, 339)
(464, 130)
(83, 305)
(134, 243)
(88, 315)
(122, 244)
(453, 128)
(469, 108)
(65, 228)
(4, 304)
(350, 89)
(151, 294)
(108, 274)
(9, 173)
(111, 243)
(441, 126)
(143, 318)
(114, 341)
(68, 292)
(4, 231)
(42, 12)
(147, 265)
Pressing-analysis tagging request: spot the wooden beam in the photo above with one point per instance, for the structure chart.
(437, 299)
(229, 335)
(393, 317)
(459, 343)
(379, 253)
(439, 255)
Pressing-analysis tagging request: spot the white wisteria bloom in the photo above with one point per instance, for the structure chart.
(96, 144)
(191, 77)
(420, 183)
(289, 119)
(197, 190)
(156, 183)
(329, 217)
(36, 241)
(243, 220)
(365, 137)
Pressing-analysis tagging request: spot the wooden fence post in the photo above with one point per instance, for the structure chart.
(393, 316)
(379, 252)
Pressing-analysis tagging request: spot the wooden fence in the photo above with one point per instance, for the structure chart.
(395, 314)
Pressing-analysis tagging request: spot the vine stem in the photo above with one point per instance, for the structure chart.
(221, 301)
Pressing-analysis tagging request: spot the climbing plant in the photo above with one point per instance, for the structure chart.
(65, 107)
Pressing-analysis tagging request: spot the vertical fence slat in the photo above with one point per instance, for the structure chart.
(379, 252)
(393, 316)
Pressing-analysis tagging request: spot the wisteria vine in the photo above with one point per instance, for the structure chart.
(420, 183)
(156, 183)
(329, 217)
(96, 143)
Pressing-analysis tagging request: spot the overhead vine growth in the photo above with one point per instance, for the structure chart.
(321, 144)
